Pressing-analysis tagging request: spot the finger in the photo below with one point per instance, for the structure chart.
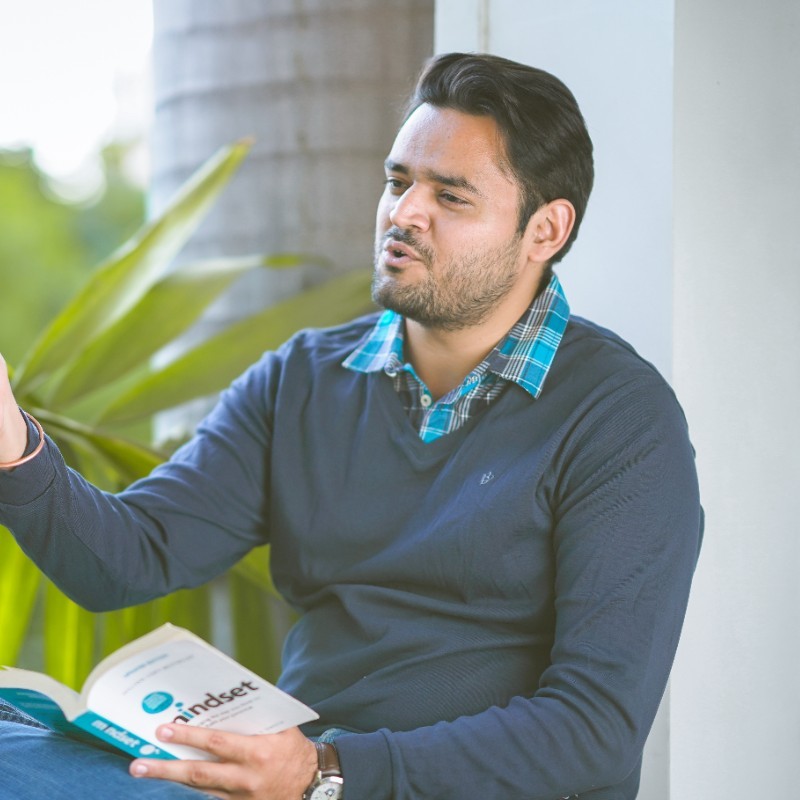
(223, 745)
(210, 777)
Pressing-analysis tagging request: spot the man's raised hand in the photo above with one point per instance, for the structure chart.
(13, 430)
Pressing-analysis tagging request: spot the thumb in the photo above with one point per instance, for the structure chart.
(13, 430)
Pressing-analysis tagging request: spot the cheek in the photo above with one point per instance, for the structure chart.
(382, 224)
(382, 221)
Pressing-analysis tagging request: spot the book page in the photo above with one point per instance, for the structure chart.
(38, 684)
(189, 682)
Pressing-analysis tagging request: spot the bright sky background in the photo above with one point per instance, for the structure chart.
(74, 73)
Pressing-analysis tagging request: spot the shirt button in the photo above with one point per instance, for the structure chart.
(425, 400)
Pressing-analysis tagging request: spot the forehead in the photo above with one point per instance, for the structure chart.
(449, 142)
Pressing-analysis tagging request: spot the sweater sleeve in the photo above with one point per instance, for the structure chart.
(191, 519)
(628, 525)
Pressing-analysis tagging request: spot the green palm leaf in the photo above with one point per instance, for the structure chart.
(129, 273)
(127, 459)
(96, 354)
(69, 639)
(189, 608)
(19, 582)
(168, 308)
(213, 364)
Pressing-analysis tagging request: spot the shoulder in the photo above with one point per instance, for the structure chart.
(617, 424)
(591, 358)
(609, 351)
(598, 382)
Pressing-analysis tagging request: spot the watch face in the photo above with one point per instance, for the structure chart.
(328, 789)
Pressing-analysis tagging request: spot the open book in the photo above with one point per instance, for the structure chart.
(168, 675)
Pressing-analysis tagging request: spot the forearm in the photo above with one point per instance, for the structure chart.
(188, 521)
(102, 550)
(583, 730)
(580, 733)
(502, 753)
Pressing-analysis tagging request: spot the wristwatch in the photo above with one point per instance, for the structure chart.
(328, 783)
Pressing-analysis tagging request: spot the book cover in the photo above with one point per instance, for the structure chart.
(168, 675)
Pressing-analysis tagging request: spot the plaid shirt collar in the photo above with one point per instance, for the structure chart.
(523, 356)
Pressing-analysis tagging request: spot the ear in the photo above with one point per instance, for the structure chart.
(548, 229)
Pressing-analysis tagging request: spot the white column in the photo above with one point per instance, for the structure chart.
(736, 685)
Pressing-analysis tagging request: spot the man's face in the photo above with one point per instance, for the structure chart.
(447, 248)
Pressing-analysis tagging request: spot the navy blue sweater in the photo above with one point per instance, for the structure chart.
(495, 612)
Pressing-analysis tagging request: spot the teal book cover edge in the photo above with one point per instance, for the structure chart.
(88, 727)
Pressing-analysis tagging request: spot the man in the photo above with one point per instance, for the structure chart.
(485, 509)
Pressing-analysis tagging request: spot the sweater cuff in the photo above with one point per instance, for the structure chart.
(366, 765)
(23, 484)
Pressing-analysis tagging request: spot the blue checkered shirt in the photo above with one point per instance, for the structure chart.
(522, 357)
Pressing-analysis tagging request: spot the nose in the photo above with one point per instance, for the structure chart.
(410, 209)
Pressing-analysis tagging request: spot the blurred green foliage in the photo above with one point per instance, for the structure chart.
(88, 374)
(48, 244)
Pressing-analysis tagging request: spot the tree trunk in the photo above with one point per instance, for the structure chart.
(320, 84)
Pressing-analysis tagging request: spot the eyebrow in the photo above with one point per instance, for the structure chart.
(456, 181)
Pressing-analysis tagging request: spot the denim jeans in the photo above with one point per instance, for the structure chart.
(39, 764)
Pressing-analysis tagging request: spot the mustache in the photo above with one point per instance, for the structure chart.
(404, 236)
(400, 235)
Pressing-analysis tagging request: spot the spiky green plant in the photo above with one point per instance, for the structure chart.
(91, 375)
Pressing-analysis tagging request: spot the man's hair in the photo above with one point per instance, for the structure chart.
(548, 149)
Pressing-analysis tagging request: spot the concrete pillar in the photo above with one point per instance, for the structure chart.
(735, 698)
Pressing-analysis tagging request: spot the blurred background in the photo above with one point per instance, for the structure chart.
(76, 105)
(688, 250)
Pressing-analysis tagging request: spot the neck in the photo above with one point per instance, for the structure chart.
(443, 358)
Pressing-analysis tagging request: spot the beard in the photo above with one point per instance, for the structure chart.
(461, 293)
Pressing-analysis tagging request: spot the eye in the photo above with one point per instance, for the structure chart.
(448, 197)
(395, 185)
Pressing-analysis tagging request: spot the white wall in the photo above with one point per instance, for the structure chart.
(694, 108)
(736, 686)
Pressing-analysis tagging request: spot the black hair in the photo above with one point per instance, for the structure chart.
(548, 148)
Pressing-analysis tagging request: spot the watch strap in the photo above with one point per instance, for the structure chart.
(328, 760)
(329, 778)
